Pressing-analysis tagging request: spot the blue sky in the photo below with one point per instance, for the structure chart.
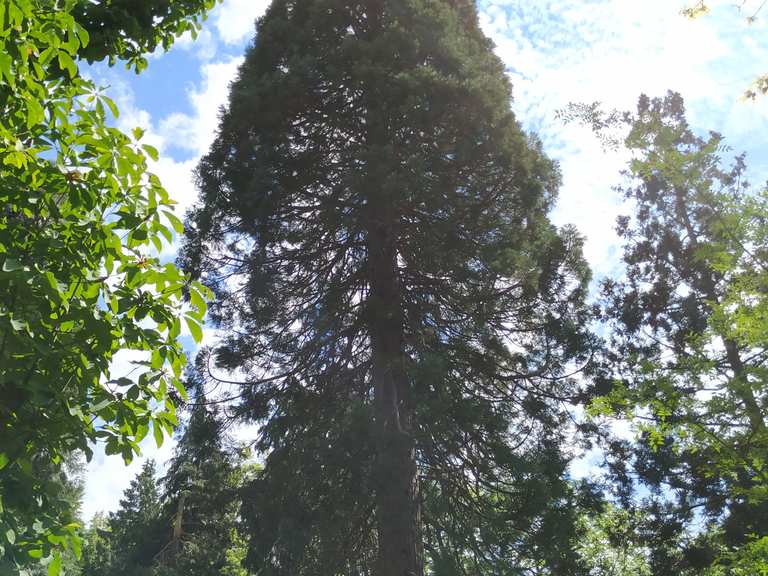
(556, 52)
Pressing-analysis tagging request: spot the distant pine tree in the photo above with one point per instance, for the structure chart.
(191, 527)
(201, 501)
(374, 223)
(135, 529)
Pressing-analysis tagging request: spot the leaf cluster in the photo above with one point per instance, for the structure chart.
(81, 224)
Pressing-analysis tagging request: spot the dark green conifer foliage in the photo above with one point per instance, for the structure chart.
(374, 223)
(136, 528)
(190, 527)
(200, 500)
(97, 549)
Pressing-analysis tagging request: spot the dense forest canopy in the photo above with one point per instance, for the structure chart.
(411, 354)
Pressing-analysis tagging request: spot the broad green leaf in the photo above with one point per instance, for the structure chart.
(151, 151)
(179, 385)
(54, 568)
(175, 222)
(66, 62)
(197, 300)
(194, 328)
(112, 106)
(158, 433)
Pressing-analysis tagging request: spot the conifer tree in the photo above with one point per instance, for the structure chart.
(97, 548)
(373, 221)
(688, 344)
(190, 527)
(200, 500)
(136, 529)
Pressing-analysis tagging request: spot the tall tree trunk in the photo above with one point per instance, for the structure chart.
(398, 505)
(398, 510)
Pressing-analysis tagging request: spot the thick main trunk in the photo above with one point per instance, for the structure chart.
(398, 505)
(398, 511)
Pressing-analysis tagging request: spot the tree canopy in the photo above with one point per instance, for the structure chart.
(79, 279)
(373, 222)
(687, 348)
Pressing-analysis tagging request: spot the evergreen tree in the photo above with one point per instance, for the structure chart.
(97, 548)
(136, 529)
(192, 528)
(688, 324)
(201, 501)
(374, 224)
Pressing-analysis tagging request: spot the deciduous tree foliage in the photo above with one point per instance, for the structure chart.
(688, 345)
(129, 30)
(71, 486)
(80, 215)
(374, 224)
(611, 544)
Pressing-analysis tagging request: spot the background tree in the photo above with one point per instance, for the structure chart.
(688, 353)
(70, 482)
(201, 500)
(97, 548)
(192, 526)
(374, 224)
(137, 531)
(610, 544)
(80, 216)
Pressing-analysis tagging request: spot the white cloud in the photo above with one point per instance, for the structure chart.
(235, 19)
(204, 46)
(612, 51)
(195, 132)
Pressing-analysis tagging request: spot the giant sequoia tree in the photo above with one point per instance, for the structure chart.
(374, 224)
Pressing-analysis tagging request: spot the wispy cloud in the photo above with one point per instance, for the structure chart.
(194, 132)
(204, 47)
(612, 51)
